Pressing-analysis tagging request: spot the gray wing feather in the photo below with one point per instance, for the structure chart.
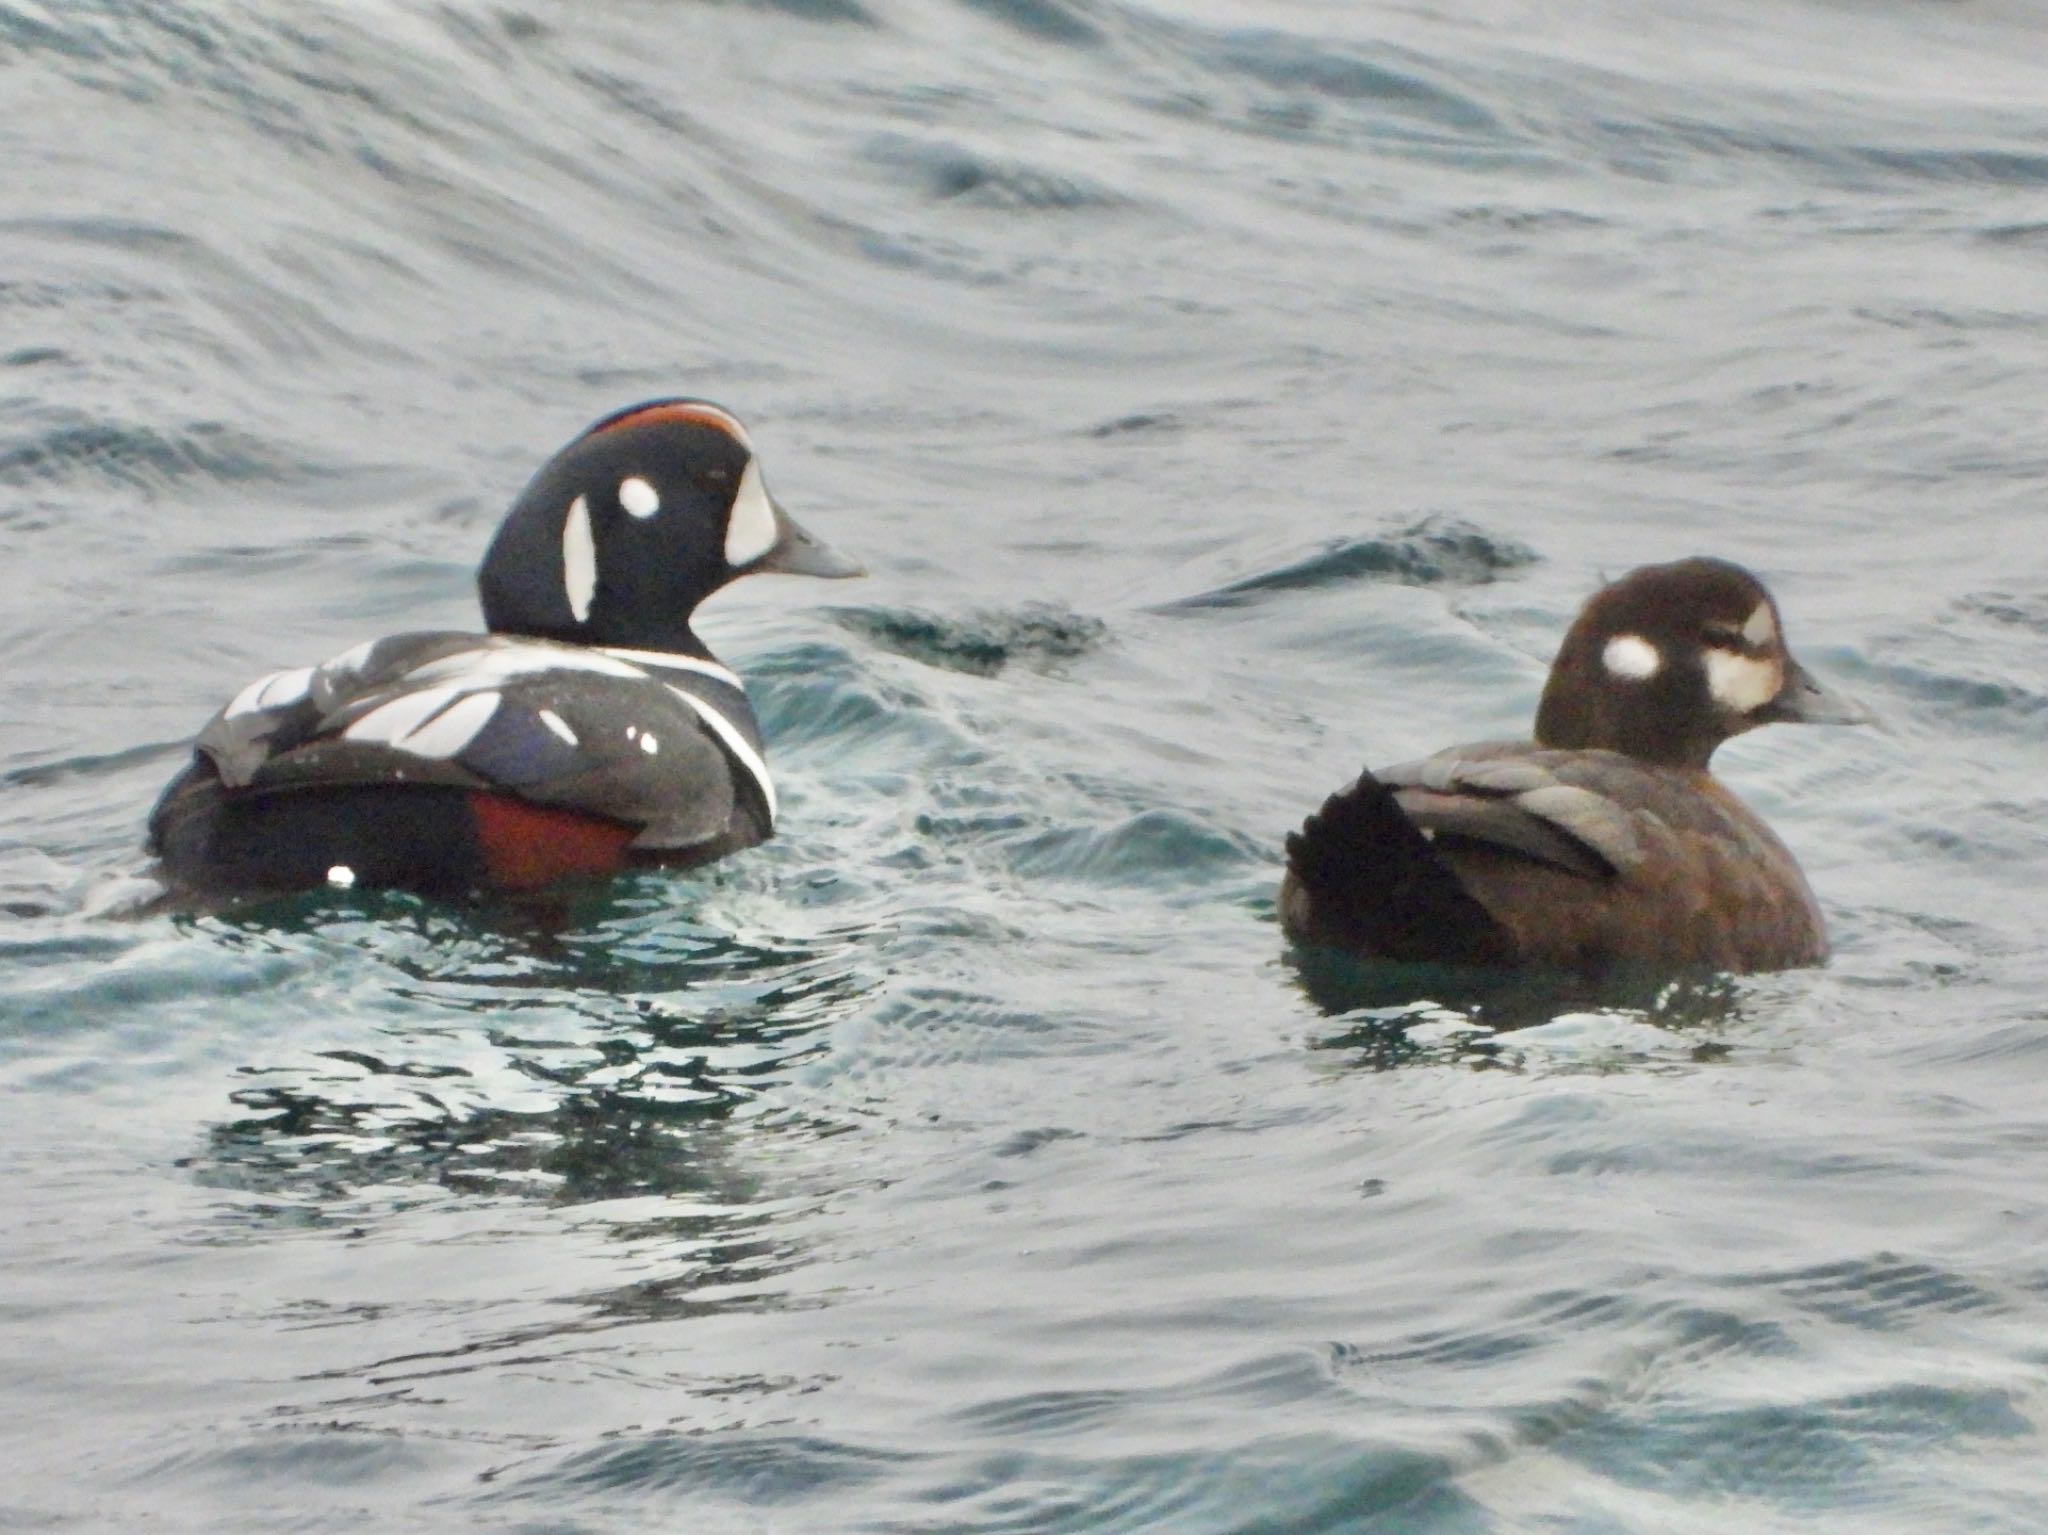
(1517, 803)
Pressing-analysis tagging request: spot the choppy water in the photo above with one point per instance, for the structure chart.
(1223, 394)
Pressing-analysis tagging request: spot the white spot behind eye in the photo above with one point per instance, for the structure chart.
(638, 497)
(1741, 683)
(1631, 658)
(751, 530)
(579, 559)
(1760, 628)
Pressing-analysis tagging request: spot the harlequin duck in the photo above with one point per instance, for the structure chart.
(589, 730)
(1604, 846)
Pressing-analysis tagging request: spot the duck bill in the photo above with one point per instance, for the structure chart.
(1806, 700)
(797, 552)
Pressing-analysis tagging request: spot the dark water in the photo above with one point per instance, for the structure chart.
(1223, 394)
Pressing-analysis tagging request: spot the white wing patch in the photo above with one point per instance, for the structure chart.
(639, 498)
(453, 728)
(1742, 684)
(271, 692)
(558, 725)
(1632, 658)
(751, 530)
(579, 559)
(435, 722)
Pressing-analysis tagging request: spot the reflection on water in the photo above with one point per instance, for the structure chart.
(592, 1052)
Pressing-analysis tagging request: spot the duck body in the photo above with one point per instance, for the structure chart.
(589, 732)
(1604, 844)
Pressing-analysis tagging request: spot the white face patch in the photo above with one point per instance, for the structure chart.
(1631, 658)
(579, 559)
(1742, 684)
(341, 876)
(1760, 628)
(639, 498)
(751, 530)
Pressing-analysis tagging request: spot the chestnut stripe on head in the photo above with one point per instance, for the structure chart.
(701, 412)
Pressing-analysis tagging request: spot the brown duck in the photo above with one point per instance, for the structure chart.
(1605, 844)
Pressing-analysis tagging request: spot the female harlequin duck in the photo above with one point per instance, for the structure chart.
(589, 730)
(1605, 845)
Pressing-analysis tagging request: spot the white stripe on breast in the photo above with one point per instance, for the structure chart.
(675, 661)
(735, 743)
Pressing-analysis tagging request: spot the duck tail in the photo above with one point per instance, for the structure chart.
(1362, 876)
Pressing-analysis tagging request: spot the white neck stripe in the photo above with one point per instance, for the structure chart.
(735, 743)
(677, 662)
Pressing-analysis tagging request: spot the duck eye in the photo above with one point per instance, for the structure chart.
(1719, 631)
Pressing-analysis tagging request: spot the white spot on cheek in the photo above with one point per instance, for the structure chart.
(341, 876)
(1760, 628)
(638, 497)
(557, 724)
(751, 530)
(1742, 684)
(1631, 658)
(579, 559)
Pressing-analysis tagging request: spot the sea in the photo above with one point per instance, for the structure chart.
(1223, 395)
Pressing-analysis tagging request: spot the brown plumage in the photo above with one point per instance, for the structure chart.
(1605, 843)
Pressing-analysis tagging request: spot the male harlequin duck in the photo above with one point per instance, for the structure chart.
(588, 731)
(1604, 845)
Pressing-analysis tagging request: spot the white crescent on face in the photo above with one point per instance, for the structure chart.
(750, 531)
